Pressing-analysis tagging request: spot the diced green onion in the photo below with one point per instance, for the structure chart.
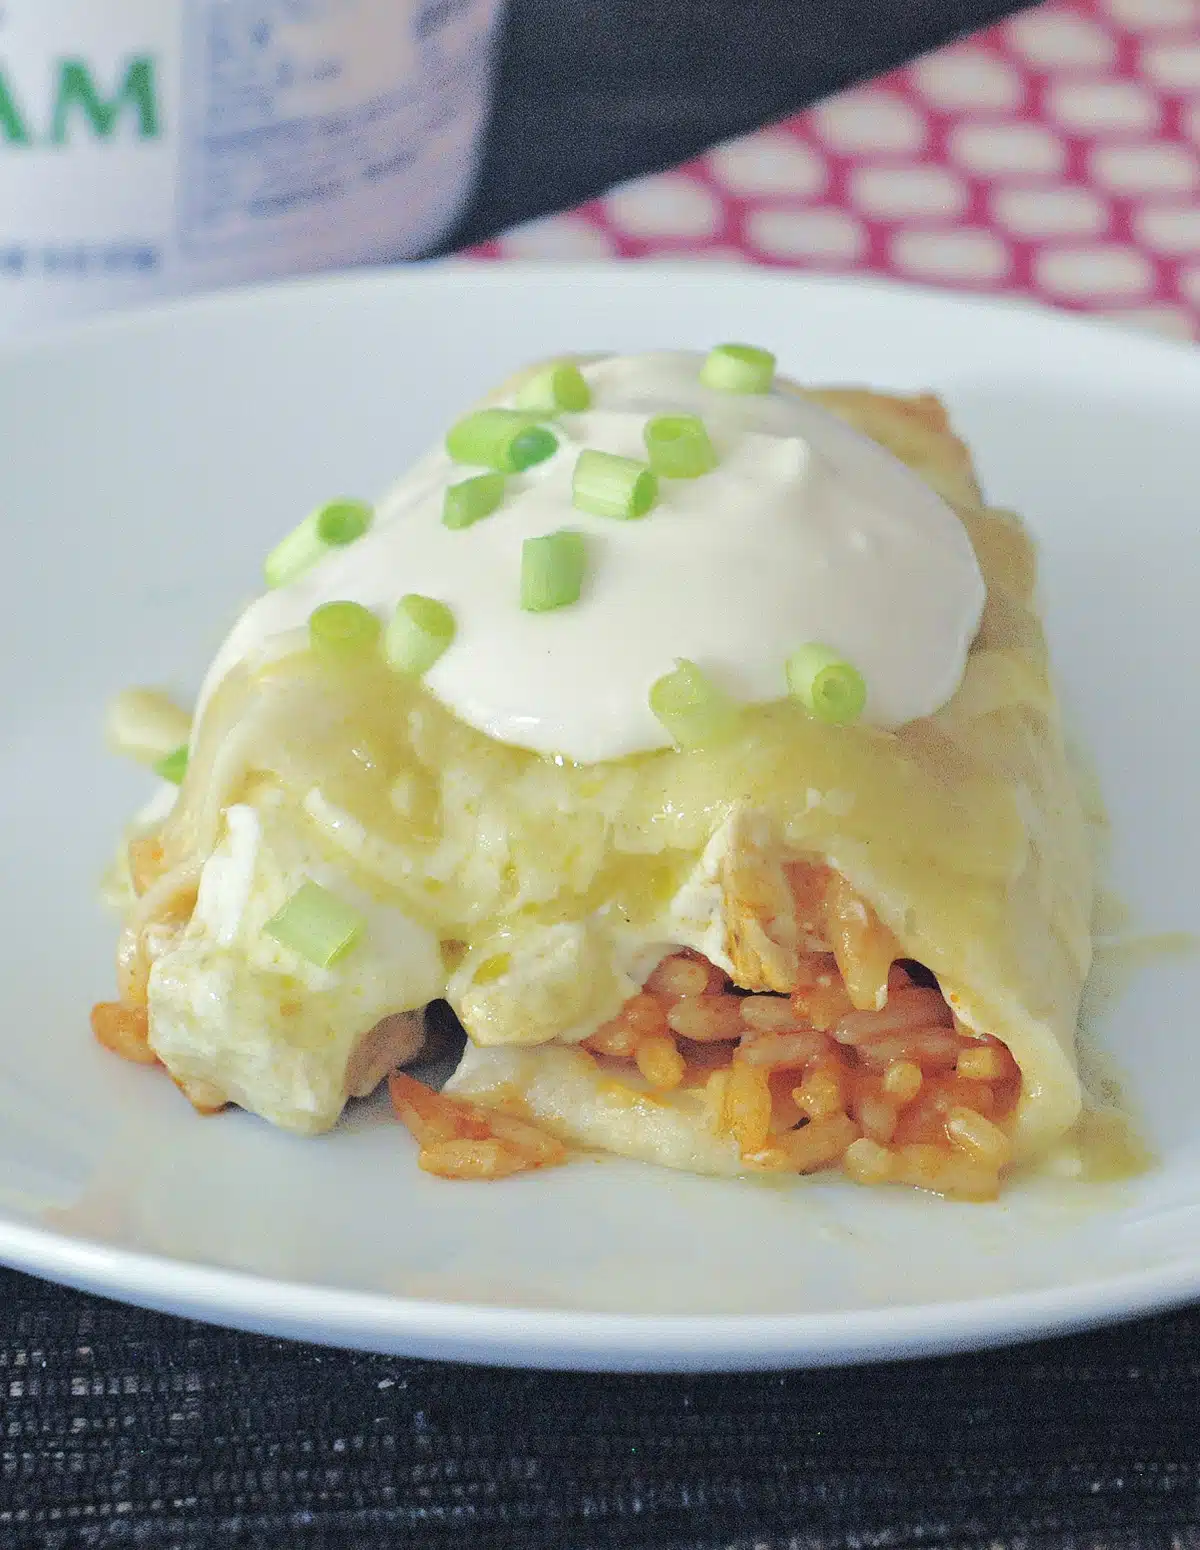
(508, 440)
(555, 389)
(828, 687)
(679, 447)
(318, 925)
(612, 486)
(343, 522)
(473, 499)
(552, 571)
(330, 527)
(691, 707)
(174, 766)
(739, 368)
(418, 633)
(342, 633)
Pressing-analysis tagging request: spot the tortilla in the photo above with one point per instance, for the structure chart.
(964, 832)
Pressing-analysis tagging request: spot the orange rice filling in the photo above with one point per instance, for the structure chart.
(862, 1067)
(808, 1082)
(800, 1083)
(823, 1078)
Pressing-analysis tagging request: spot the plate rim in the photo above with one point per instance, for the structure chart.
(64, 333)
(558, 1339)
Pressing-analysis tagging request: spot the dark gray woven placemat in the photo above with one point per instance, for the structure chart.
(123, 1428)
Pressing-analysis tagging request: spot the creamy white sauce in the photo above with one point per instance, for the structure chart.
(236, 1012)
(806, 531)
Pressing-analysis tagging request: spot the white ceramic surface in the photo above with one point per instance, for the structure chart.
(145, 466)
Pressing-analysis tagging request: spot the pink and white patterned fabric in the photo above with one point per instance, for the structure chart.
(1056, 156)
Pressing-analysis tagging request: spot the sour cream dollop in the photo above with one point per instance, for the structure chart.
(806, 531)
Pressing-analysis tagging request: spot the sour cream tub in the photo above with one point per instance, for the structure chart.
(150, 147)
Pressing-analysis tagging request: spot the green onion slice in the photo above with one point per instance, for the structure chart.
(691, 707)
(739, 368)
(318, 925)
(552, 570)
(612, 486)
(330, 527)
(826, 685)
(473, 499)
(419, 632)
(508, 440)
(679, 447)
(342, 633)
(173, 766)
(555, 389)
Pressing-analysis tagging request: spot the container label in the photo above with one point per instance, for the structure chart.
(152, 146)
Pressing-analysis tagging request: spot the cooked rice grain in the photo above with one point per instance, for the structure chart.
(782, 1051)
(978, 1137)
(866, 1162)
(707, 1018)
(902, 1081)
(659, 1061)
(822, 1092)
(747, 1106)
(906, 1011)
(124, 1031)
(677, 977)
(769, 1014)
(470, 1160)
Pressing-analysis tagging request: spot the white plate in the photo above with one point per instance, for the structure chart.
(145, 466)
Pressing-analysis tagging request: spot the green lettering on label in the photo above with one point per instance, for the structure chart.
(78, 94)
(13, 128)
